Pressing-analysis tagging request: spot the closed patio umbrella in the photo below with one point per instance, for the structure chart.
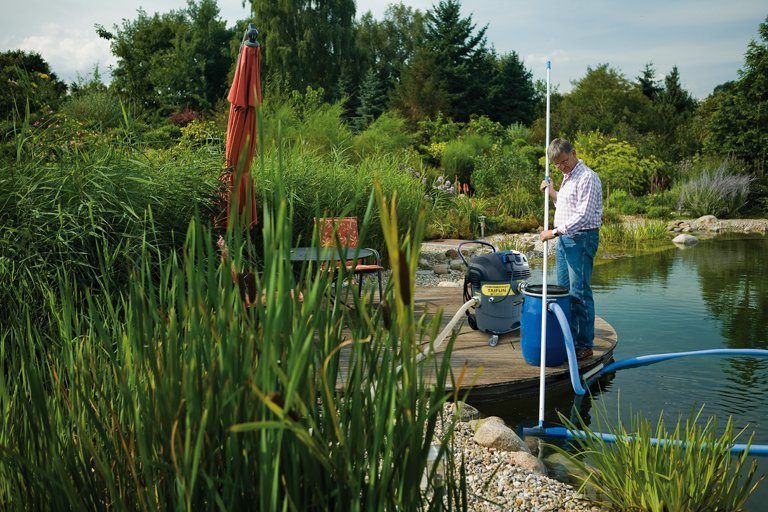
(244, 97)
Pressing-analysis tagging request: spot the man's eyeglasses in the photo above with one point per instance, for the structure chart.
(562, 162)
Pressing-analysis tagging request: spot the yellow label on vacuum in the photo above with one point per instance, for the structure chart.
(494, 290)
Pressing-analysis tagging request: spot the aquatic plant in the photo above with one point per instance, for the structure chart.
(691, 468)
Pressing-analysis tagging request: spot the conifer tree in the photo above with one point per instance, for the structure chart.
(372, 101)
(512, 95)
(648, 82)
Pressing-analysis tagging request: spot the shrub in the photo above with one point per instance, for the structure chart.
(387, 134)
(438, 130)
(324, 130)
(716, 192)
(618, 163)
(509, 224)
(518, 132)
(634, 473)
(96, 108)
(659, 212)
(482, 125)
(199, 133)
(184, 117)
(499, 171)
(518, 202)
(458, 160)
(162, 135)
(611, 215)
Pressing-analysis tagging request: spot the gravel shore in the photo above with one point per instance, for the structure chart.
(499, 480)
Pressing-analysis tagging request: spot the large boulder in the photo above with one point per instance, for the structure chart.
(441, 269)
(706, 219)
(466, 411)
(493, 433)
(685, 240)
(528, 462)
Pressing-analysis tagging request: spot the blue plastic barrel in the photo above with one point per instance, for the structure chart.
(530, 325)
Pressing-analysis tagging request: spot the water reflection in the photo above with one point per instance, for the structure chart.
(734, 285)
(713, 295)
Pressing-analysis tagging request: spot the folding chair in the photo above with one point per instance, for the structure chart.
(343, 230)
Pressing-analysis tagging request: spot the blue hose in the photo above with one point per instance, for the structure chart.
(573, 363)
(564, 433)
(634, 362)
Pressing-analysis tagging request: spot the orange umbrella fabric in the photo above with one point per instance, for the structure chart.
(244, 96)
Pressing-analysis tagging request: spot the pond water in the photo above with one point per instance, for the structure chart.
(712, 295)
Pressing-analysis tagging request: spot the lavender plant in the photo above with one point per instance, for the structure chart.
(719, 192)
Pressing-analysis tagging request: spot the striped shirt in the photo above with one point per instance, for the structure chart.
(579, 203)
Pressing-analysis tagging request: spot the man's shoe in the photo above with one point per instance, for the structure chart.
(583, 353)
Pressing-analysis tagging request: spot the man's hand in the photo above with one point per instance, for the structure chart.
(546, 184)
(547, 234)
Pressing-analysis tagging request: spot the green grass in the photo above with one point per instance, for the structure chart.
(635, 474)
(630, 235)
(170, 394)
(134, 378)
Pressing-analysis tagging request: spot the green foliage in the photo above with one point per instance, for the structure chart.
(171, 61)
(372, 99)
(204, 133)
(634, 473)
(324, 130)
(450, 71)
(738, 111)
(659, 212)
(99, 109)
(165, 391)
(420, 94)
(501, 170)
(387, 134)
(618, 163)
(58, 215)
(483, 125)
(310, 43)
(330, 185)
(512, 95)
(458, 158)
(716, 191)
(618, 233)
(461, 62)
(385, 46)
(603, 100)
(27, 78)
(648, 83)
(519, 133)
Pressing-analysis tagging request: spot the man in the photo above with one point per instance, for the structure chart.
(578, 215)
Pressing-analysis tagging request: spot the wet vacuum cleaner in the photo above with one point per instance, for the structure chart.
(495, 277)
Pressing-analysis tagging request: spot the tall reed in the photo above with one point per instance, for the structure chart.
(172, 394)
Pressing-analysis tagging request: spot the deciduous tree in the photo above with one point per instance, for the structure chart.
(26, 76)
(311, 42)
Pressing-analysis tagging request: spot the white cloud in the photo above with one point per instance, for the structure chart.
(70, 52)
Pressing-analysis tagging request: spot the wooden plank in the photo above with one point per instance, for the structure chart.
(501, 370)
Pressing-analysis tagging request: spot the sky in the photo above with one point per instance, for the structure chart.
(706, 39)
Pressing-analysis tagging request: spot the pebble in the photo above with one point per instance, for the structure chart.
(511, 488)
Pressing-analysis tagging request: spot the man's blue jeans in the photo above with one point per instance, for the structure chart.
(575, 257)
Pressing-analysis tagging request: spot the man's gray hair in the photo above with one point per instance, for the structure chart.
(557, 148)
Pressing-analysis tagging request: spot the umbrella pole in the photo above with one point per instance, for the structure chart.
(543, 356)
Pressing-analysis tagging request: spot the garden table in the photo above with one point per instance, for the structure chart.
(330, 254)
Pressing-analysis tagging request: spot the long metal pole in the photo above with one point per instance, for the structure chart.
(543, 357)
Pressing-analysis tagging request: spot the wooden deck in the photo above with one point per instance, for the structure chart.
(500, 371)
